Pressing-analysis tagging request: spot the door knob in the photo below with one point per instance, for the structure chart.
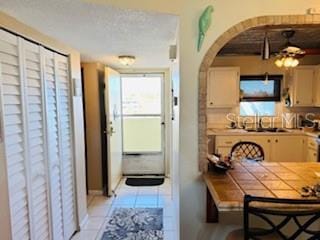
(110, 131)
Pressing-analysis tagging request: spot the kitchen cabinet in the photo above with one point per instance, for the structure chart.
(224, 144)
(316, 88)
(312, 151)
(288, 149)
(223, 87)
(312, 155)
(303, 86)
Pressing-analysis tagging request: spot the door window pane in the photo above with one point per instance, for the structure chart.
(141, 134)
(141, 95)
(142, 113)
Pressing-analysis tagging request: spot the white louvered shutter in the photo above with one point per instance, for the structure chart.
(12, 100)
(66, 149)
(35, 104)
(55, 167)
(36, 132)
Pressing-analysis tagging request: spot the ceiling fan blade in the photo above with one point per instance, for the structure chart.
(312, 51)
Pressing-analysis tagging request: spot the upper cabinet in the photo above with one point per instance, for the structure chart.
(316, 87)
(303, 86)
(223, 87)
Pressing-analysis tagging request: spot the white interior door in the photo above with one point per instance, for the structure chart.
(15, 140)
(114, 128)
(36, 131)
(54, 163)
(35, 111)
(63, 82)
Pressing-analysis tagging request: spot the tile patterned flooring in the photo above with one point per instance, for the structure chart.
(100, 208)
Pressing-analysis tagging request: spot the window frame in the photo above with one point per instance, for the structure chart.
(277, 88)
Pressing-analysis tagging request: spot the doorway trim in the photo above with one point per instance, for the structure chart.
(212, 53)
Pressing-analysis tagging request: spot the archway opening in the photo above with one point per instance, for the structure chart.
(266, 23)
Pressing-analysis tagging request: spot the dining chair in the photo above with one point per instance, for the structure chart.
(303, 215)
(249, 150)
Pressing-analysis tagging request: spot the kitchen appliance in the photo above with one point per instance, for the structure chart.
(316, 125)
(318, 142)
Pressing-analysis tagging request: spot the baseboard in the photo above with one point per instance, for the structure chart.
(95, 192)
(84, 222)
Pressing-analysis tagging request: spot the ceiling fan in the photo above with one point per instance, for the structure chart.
(291, 49)
(288, 56)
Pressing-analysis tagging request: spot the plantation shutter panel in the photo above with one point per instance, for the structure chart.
(55, 167)
(37, 152)
(36, 112)
(12, 100)
(66, 143)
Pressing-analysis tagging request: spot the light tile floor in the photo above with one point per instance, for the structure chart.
(100, 208)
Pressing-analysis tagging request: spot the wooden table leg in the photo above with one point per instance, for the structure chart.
(212, 210)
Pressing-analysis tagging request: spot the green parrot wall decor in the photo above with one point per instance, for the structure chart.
(204, 24)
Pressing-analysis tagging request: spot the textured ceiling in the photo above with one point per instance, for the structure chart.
(250, 42)
(100, 32)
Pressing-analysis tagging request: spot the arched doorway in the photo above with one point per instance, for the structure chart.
(212, 53)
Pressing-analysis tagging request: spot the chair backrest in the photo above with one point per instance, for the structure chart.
(278, 213)
(248, 150)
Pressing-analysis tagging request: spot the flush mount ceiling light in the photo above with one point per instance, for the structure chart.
(127, 60)
(288, 56)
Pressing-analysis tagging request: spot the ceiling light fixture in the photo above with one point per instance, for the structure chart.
(287, 62)
(288, 56)
(127, 60)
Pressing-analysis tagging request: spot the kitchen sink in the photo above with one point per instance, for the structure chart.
(275, 130)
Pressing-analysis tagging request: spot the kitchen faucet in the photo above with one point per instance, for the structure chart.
(260, 123)
(244, 124)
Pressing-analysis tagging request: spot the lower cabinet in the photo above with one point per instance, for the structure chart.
(224, 144)
(312, 155)
(288, 149)
(312, 150)
(276, 148)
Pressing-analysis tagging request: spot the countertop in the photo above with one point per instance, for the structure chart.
(265, 179)
(237, 132)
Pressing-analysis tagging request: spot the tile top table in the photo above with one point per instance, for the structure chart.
(264, 179)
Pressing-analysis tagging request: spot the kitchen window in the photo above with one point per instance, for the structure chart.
(259, 94)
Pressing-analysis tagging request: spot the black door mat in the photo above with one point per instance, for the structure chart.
(142, 182)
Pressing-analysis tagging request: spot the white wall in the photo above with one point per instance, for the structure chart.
(227, 14)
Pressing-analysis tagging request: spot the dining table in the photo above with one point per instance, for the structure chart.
(225, 190)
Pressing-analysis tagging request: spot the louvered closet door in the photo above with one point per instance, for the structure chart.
(66, 149)
(36, 132)
(55, 167)
(15, 135)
